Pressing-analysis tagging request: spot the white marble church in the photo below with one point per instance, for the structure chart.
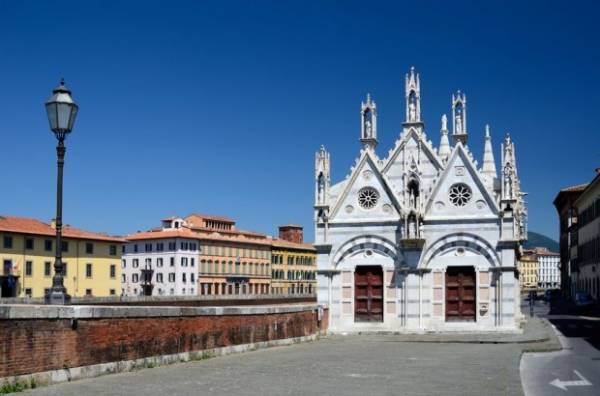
(422, 238)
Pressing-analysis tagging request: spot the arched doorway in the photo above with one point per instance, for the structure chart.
(368, 293)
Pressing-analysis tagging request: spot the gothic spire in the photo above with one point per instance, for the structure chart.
(368, 123)
(459, 117)
(489, 165)
(444, 151)
(412, 87)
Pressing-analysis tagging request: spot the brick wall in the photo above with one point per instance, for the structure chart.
(33, 345)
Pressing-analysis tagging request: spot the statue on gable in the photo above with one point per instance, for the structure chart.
(368, 129)
(459, 126)
(412, 111)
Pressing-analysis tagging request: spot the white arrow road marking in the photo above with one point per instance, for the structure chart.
(563, 384)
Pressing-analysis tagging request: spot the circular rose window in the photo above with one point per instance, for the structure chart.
(368, 197)
(460, 194)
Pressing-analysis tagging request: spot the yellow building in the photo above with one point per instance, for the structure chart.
(27, 256)
(293, 263)
(528, 271)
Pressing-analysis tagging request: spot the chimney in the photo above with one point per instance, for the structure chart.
(53, 223)
(291, 233)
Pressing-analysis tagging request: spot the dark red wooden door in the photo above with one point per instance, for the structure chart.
(460, 294)
(368, 294)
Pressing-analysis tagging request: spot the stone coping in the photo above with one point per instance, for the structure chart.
(31, 311)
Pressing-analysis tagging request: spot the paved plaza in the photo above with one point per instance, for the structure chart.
(335, 365)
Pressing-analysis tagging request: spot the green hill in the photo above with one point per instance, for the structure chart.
(538, 240)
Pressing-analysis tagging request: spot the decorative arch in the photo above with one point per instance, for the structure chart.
(373, 242)
(461, 239)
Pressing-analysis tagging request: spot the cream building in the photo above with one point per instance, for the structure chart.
(27, 250)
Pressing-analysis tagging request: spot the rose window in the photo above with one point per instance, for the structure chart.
(368, 197)
(460, 194)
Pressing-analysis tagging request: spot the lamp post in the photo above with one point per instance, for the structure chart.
(61, 110)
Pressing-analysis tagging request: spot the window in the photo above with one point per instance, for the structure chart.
(192, 278)
(112, 292)
(135, 248)
(192, 246)
(28, 292)
(8, 242)
(65, 246)
(28, 268)
(135, 263)
(47, 268)
(192, 262)
(148, 263)
(172, 262)
(171, 276)
(184, 261)
(182, 291)
(172, 291)
(159, 277)
(134, 278)
(368, 197)
(183, 277)
(123, 278)
(159, 262)
(88, 292)
(123, 263)
(112, 250)
(113, 271)
(89, 248)
(64, 271)
(460, 194)
(29, 243)
(48, 245)
(148, 247)
(88, 270)
(160, 247)
(184, 246)
(172, 245)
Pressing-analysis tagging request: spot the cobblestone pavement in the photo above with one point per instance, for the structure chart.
(336, 365)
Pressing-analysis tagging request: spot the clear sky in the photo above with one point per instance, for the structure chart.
(218, 107)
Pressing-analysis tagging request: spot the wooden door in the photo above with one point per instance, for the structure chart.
(368, 294)
(460, 294)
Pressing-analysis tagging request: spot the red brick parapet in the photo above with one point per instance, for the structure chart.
(37, 339)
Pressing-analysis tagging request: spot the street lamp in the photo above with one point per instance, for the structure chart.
(62, 111)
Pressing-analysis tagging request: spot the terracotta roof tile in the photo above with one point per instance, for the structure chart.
(25, 225)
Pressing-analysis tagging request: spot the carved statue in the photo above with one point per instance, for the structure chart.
(412, 228)
(459, 125)
(321, 189)
(508, 183)
(444, 122)
(412, 111)
(368, 129)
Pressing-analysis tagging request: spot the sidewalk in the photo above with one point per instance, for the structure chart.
(535, 330)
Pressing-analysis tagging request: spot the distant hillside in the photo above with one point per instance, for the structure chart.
(538, 240)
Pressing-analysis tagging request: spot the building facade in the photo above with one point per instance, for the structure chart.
(293, 263)
(528, 271)
(421, 238)
(27, 252)
(585, 275)
(161, 262)
(549, 269)
(567, 214)
(197, 255)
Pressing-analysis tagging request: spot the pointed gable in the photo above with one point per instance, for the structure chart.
(448, 196)
(366, 175)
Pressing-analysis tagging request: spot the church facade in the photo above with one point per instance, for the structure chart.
(422, 238)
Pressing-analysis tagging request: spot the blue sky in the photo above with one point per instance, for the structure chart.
(218, 107)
